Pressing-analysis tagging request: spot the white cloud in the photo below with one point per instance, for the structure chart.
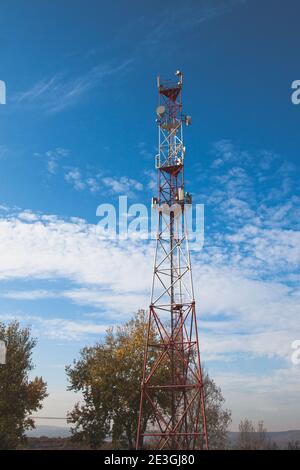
(183, 19)
(93, 185)
(57, 328)
(144, 153)
(74, 177)
(260, 317)
(112, 306)
(70, 249)
(123, 185)
(275, 251)
(28, 216)
(95, 182)
(52, 158)
(152, 180)
(225, 151)
(28, 294)
(55, 94)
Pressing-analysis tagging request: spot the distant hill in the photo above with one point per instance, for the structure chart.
(49, 431)
(281, 438)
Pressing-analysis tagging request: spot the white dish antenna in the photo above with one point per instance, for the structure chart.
(160, 111)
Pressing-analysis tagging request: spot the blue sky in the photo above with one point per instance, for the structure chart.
(79, 130)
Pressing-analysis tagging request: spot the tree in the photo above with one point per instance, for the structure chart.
(262, 441)
(218, 419)
(251, 438)
(293, 445)
(109, 377)
(246, 435)
(19, 396)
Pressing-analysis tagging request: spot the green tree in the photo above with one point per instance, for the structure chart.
(109, 377)
(19, 396)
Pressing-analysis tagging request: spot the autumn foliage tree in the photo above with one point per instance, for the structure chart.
(108, 376)
(19, 396)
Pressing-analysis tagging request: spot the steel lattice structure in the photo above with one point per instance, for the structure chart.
(172, 387)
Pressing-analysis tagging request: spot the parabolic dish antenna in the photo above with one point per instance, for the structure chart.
(160, 111)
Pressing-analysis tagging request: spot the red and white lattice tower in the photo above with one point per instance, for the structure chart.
(172, 388)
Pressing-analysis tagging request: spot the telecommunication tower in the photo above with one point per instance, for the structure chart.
(172, 386)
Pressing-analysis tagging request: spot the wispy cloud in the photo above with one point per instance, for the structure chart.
(74, 177)
(123, 185)
(4, 208)
(143, 151)
(152, 180)
(244, 187)
(56, 93)
(52, 158)
(185, 17)
(29, 294)
(58, 328)
(95, 182)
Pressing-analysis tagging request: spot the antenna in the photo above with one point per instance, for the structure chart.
(160, 111)
(172, 384)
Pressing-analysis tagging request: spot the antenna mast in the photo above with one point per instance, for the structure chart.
(172, 386)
